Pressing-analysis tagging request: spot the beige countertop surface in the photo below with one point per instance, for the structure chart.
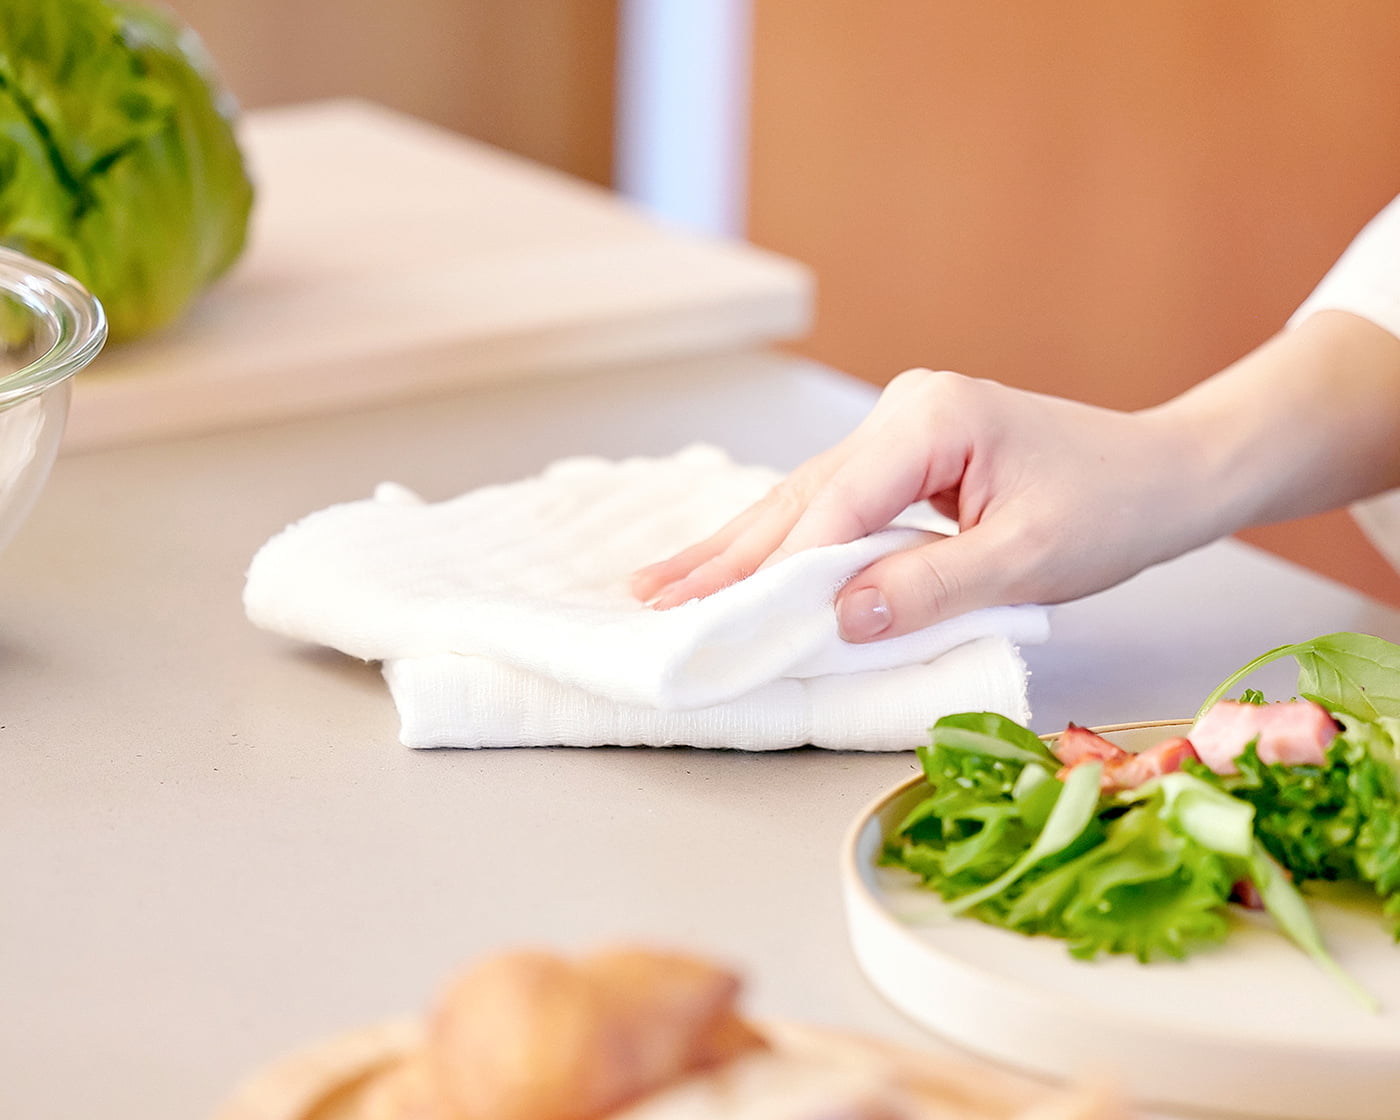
(212, 847)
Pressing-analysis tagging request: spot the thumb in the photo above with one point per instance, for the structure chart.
(917, 587)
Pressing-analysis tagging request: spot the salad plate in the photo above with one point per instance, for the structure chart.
(1251, 1027)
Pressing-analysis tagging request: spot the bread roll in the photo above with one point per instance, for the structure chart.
(632, 1034)
(531, 1036)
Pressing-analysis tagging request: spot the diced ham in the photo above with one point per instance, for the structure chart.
(1292, 732)
(1132, 770)
(1247, 894)
(1075, 744)
(1121, 769)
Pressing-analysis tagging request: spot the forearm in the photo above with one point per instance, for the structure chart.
(1307, 422)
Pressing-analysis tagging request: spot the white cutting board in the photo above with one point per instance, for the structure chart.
(390, 258)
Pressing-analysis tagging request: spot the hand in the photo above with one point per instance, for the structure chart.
(1054, 499)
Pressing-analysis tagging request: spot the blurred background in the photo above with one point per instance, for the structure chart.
(1099, 199)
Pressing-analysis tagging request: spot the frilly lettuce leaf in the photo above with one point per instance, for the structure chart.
(1371, 754)
(1146, 889)
(969, 830)
(1130, 882)
(1304, 815)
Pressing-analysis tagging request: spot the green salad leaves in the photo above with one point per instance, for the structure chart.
(1340, 820)
(1004, 833)
(118, 162)
(1348, 674)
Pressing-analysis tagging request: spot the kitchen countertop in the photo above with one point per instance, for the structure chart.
(213, 848)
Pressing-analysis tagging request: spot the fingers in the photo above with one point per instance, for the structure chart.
(909, 590)
(648, 582)
(1032, 479)
(741, 559)
(807, 511)
(729, 555)
(737, 550)
(912, 446)
(868, 492)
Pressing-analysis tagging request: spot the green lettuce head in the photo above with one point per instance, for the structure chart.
(118, 161)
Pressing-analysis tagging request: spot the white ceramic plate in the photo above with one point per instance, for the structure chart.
(1251, 1028)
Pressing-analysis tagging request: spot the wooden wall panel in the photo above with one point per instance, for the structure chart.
(1094, 198)
(533, 76)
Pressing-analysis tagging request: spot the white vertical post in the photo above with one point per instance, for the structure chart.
(683, 110)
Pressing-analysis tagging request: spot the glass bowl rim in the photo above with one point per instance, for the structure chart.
(76, 315)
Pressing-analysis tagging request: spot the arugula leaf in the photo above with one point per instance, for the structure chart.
(1213, 819)
(992, 734)
(1287, 907)
(991, 794)
(1074, 809)
(1035, 794)
(985, 777)
(969, 829)
(1350, 674)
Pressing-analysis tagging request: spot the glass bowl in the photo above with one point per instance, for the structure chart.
(50, 328)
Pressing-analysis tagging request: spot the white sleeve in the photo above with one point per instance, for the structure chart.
(1366, 280)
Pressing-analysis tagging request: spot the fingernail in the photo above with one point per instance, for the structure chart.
(863, 615)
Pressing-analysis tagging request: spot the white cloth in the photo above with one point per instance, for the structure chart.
(1366, 281)
(503, 617)
(456, 701)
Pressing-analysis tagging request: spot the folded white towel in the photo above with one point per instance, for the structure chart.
(456, 701)
(503, 616)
